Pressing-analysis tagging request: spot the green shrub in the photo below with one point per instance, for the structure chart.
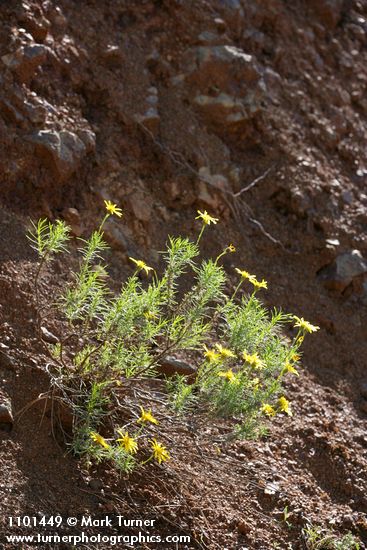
(317, 538)
(111, 343)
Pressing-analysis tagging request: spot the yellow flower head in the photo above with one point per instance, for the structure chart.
(295, 357)
(113, 209)
(129, 444)
(211, 355)
(160, 452)
(228, 375)
(284, 405)
(99, 439)
(207, 219)
(253, 360)
(231, 248)
(149, 315)
(244, 274)
(224, 353)
(304, 325)
(146, 416)
(258, 284)
(288, 367)
(140, 264)
(268, 410)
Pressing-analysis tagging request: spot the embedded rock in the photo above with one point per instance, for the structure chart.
(88, 138)
(141, 206)
(218, 181)
(228, 84)
(226, 112)
(37, 26)
(10, 112)
(36, 111)
(220, 66)
(18, 109)
(63, 150)
(25, 60)
(340, 273)
(6, 415)
(48, 336)
(115, 236)
(207, 185)
(204, 195)
(171, 366)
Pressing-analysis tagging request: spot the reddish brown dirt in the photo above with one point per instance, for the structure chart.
(302, 124)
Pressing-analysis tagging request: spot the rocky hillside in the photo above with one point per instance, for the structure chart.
(257, 112)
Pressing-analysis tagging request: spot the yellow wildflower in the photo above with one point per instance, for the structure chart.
(225, 353)
(160, 453)
(253, 360)
(244, 274)
(140, 264)
(146, 416)
(305, 325)
(149, 315)
(288, 367)
(113, 209)
(284, 405)
(129, 444)
(268, 410)
(100, 440)
(228, 375)
(231, 248)
(258, 284)
(207, 219)
(211, 355)
(295, 357)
